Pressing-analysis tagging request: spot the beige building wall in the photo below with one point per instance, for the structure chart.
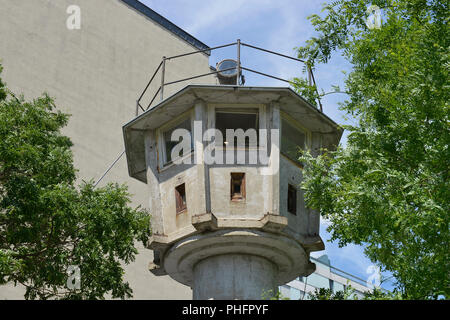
(96, 74)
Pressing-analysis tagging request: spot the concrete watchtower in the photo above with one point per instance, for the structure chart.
(229, 229)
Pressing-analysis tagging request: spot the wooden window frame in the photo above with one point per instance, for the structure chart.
(181, 206)
(237, 176)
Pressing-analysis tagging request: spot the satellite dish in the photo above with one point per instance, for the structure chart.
(227, 76)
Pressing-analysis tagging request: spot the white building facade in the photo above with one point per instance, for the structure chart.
(326, 276)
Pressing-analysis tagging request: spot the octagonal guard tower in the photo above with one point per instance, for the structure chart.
(236, 229)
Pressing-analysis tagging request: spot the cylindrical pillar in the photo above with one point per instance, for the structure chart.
(234, 276)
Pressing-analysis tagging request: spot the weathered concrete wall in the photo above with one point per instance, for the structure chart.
(197, 176)
(258, 195)
(305, 223)
(264, 193)
(96, 74)
(254, 205)
(174, 222)
(291, 174)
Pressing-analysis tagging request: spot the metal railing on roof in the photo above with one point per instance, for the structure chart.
(162, 69)
(345, 274)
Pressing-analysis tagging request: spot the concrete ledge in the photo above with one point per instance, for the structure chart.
(313, 243)
(204, 222)
(156, 269)
(269, 222)
(266, 237)
(289, 257)
(158, 241)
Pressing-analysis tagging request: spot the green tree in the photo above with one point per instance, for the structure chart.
(388, 189)
(328, 294)
(46, 222)
(349, 294)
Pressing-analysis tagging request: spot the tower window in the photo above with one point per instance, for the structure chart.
(180, 198)
(292, 140)
(292, 199)
(247, 120)
(237, 186)
(169, 144)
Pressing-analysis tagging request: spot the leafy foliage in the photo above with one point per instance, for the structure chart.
(328, 294)
(273, 295)
(2, 87)
(48, 224)
(349, 294)
(389, 187)
(307, 91)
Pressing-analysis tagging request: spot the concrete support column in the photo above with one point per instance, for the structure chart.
(236, 263)
(234, 276)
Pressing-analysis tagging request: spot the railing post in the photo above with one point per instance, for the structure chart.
(238, 61)
(163, 71)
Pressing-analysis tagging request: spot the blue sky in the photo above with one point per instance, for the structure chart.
(278, 26)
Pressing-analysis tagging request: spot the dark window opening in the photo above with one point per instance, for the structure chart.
(237, 186)
(238, 120)
(292, 199)
(180, 197)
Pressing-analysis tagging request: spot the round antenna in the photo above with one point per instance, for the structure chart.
(227, 71)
